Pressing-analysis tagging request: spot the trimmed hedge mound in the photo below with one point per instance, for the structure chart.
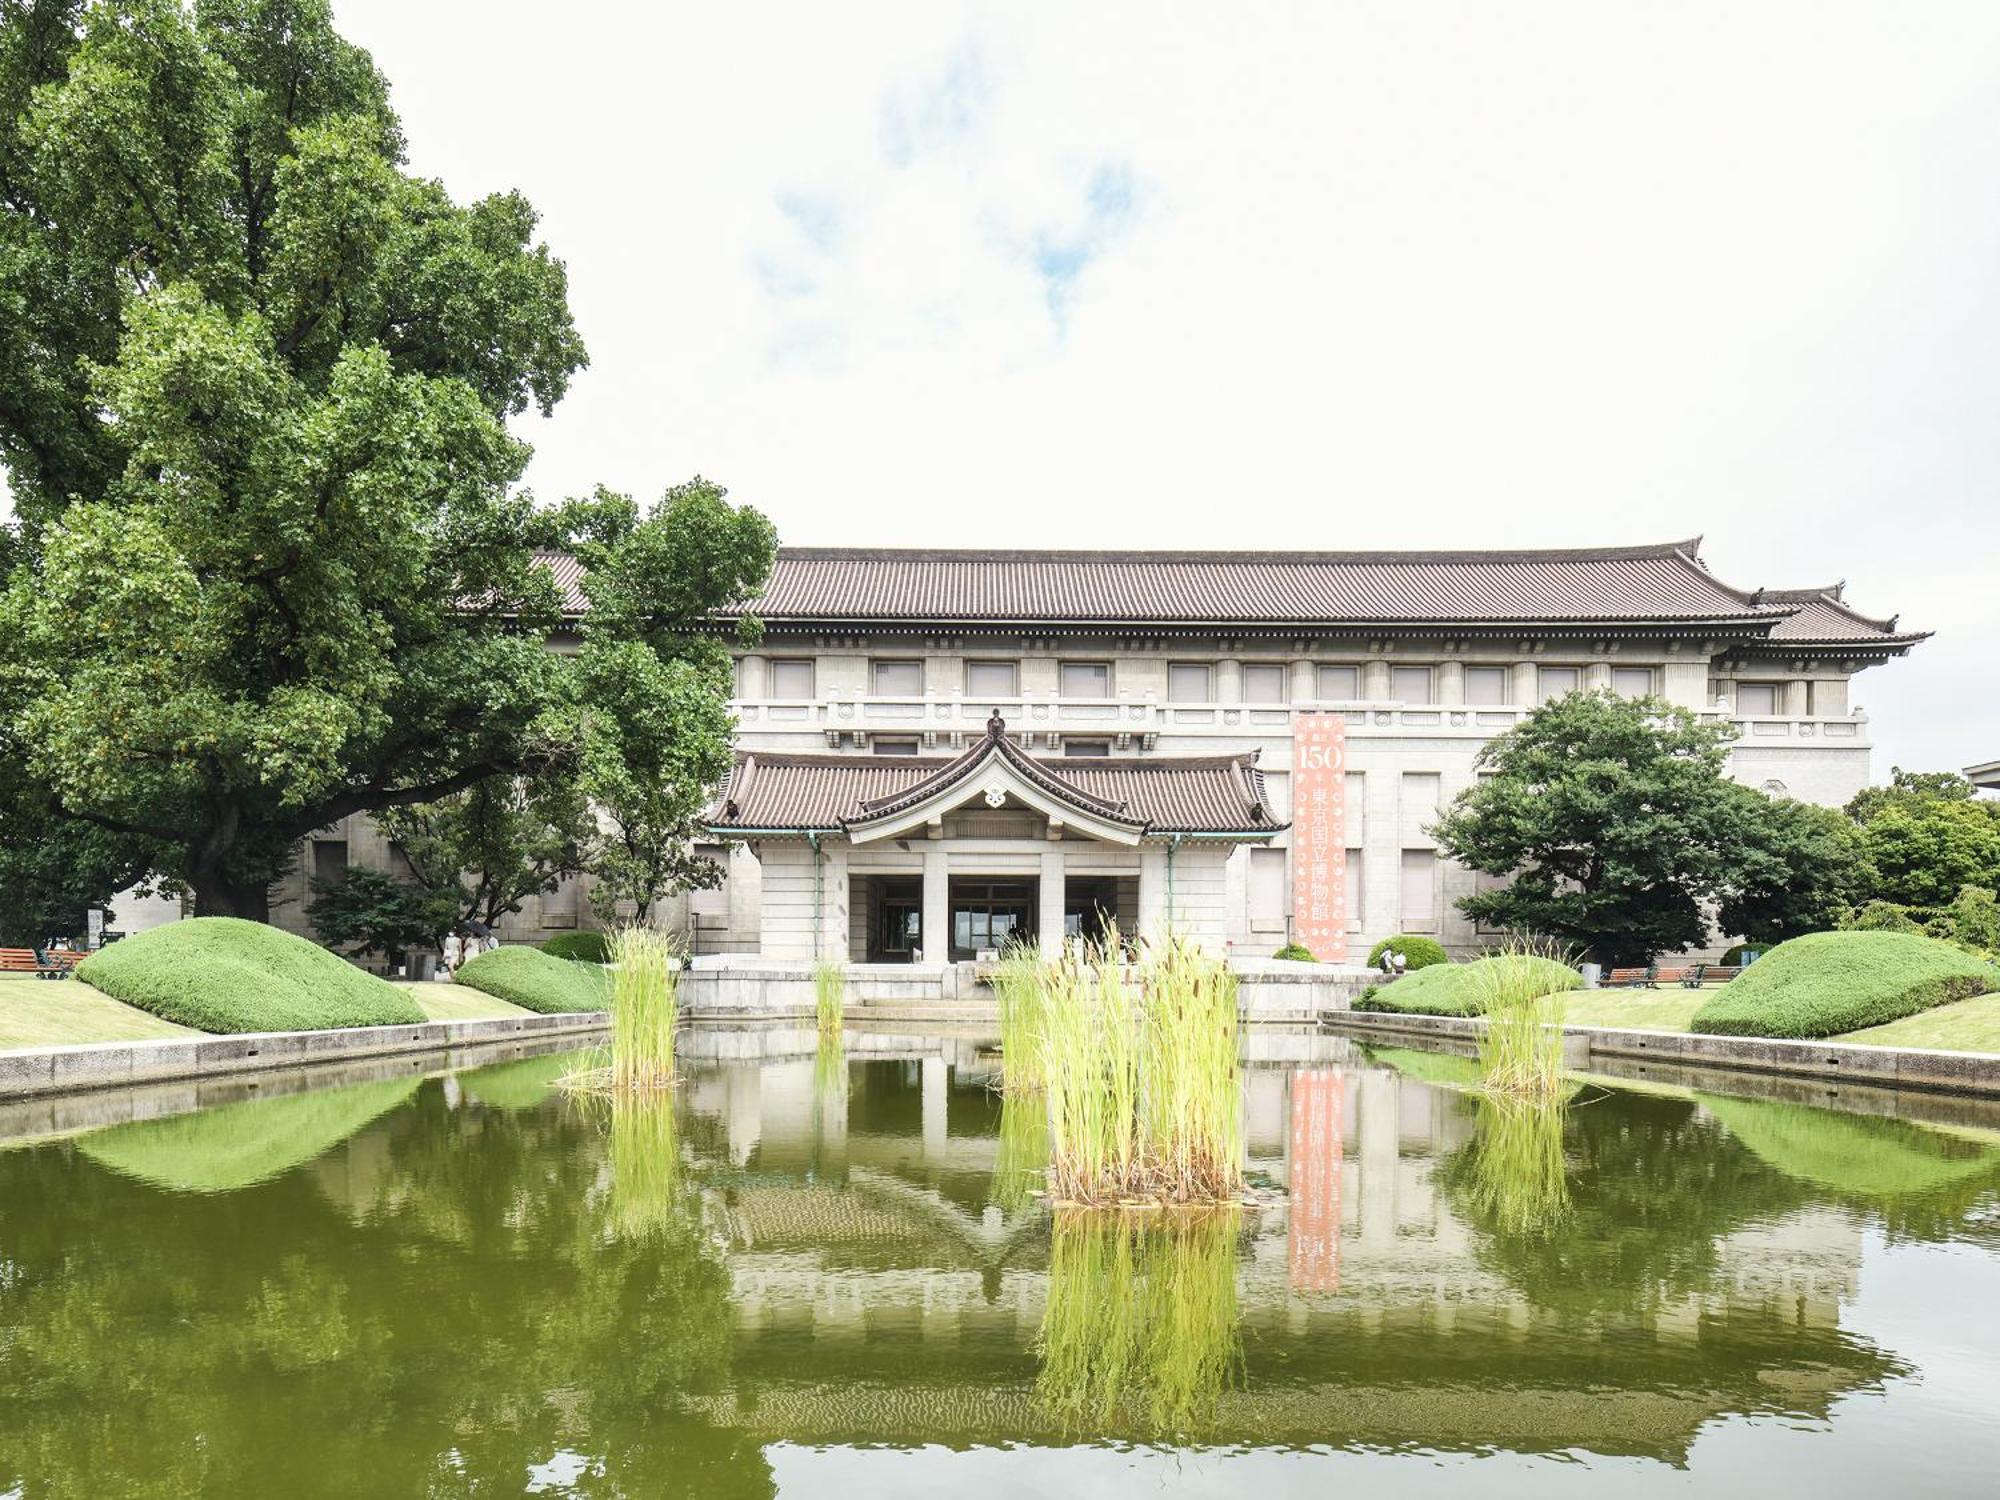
(1461, 989)
(1420, 952)
(579, 947)
(1828, 982)
(226, 974)
(534, 981)
(1297, 953)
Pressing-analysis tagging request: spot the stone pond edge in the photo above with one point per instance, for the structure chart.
(1971, 1073)
(31, 1071)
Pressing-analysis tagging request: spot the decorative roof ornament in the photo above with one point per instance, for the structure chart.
(995, 726)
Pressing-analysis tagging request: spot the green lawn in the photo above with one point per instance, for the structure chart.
(441, 1001)
(1969, 1026)
(1660, 1008)
(56, 1012)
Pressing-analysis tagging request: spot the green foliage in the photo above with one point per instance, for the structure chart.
(272, 567)
(1735, 956)
(1924, 853)
(488, 849)
(1909, 791)
(1465, 989)
(224, 974)
(1418, 951)
(1296, 953)
(1971, 921)
(1521, 1050)
(1828, 982)
(370, 911)
(579, 947)
(1021, 985)
(534, 981)
(1613, 819)
(1797, 867)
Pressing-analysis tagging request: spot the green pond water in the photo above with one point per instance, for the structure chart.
(823, 1274)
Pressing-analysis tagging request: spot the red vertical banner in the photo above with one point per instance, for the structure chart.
(1319, 834)
(1315, 1181)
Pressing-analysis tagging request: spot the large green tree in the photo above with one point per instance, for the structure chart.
(270, 565)
(1927, 837)
(1615, 820)
(1797, 868)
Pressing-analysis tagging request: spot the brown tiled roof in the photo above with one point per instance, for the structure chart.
(1665, 584)
(771, 790)
(1625, 584)
(1820, 617)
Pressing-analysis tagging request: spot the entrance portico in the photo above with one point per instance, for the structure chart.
(936, 862)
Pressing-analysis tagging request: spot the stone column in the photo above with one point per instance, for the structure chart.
(1229, 680)
(1451, 682)
(1597, 676)
(751, 678)
(1527, 685)
(937, 906)
(1375, 680)
(1052, 892)
(1154, 918)
(1798, 701)
(1305, 681)
(833, 934)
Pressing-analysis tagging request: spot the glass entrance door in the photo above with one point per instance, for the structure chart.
(988, 915)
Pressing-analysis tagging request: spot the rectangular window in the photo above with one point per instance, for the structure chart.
(1632, 682)
(1264, 682)
(1267, 890)
(1419, 890)
(893, 747)
(896, 679)
(1410, 684)
(792, 677)
(329, 860)
(992, 679)
(1488, 686)
(1556, 681)
(1759, 697)
(1086, 747)
(1086, 679)
(1422, 792)
(1354, 869)
(1190, 682)
(1357, 807)
(1484, 884)
(1339, 684)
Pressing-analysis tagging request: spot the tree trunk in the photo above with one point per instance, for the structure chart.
(217, 896)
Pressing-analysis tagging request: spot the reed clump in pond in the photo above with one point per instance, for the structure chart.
(1141, 1076)
(1020, 985)
(1140, 1332)
(1020, 1165)
(645, 1009)
(1521, 1049)
(648, 1187)
(1513, 1172)
(830, 996)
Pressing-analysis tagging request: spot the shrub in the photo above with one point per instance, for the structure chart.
(1296, 953)
(1462, 989)
(1734, 957)
(533, 980)
(226, 974)
(1421, 952)
(1829, 982)
(580, 947)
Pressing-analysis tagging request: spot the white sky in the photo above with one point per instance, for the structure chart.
(1326, 275)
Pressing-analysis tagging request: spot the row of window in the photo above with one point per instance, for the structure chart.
(1417, 896)
(793, 678)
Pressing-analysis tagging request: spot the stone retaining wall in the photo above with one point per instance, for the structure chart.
(1889, 1067)
(45, 1070)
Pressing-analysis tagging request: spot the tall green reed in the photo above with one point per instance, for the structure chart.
(1521, 1048)
(1020, 985)
(1140, 1332)
(830, 996)
(647, 1186)
(1140, 1072)
(645, 1009)
(1516, 1178)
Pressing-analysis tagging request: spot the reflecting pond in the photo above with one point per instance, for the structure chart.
(820, 1273)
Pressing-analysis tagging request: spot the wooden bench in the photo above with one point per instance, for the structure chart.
(49, 963)
(1632, 979)
(1698, 975)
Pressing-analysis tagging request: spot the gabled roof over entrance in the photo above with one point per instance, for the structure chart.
(1118, 800)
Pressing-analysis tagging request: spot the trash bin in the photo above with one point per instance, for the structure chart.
(1593, 975)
